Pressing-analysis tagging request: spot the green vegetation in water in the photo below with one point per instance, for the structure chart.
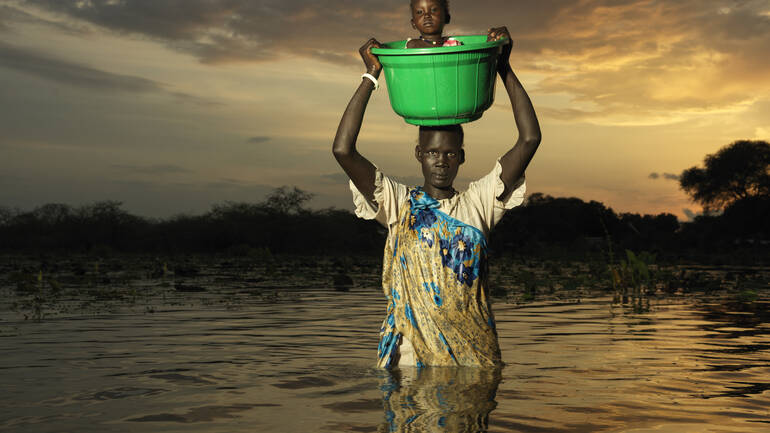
(37, 290)
(40, 287)
(634, 279)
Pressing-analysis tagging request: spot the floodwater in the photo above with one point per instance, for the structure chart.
(303, 363)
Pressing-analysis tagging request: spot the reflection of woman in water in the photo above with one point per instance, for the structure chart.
(439, 399)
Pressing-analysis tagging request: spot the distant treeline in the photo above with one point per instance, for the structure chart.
(545, 226)
(571, 227)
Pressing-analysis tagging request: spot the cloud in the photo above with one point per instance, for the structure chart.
(666, 176)
(69, 73)
(195, 100)
(335, 178)
(762, 133)
(258, 139)
(73, 74)
(683, 60)
(670, 176)
(10, 15)
(242, 30)
(156, 169)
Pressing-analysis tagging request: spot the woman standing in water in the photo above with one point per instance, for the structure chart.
(435, 262)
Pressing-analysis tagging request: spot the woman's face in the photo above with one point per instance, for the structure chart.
(428, 17)
(440, 154)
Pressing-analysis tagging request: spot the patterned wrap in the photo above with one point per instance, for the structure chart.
(435, 277)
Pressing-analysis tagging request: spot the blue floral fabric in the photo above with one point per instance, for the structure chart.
(434, 276)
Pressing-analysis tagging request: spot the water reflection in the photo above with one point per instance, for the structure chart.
(439, 399)
(305, 365)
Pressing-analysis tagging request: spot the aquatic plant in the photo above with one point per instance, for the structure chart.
(747, 295)
(33, 287)
(634, 279)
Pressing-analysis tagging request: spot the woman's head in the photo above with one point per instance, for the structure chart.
(440, 153)
(430, 16)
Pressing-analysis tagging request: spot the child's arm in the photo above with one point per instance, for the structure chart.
(358, 168)
(515, 161)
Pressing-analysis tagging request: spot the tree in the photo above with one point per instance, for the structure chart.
(7, 215)
(738, 171)
(285, 200)
(52, 214)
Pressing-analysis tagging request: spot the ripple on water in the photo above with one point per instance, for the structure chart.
(306, 365)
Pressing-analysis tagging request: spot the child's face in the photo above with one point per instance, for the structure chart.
(428, 17)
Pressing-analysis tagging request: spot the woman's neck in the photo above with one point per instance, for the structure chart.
(439, 193)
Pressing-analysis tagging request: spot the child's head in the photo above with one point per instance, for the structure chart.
(440, 153)
(430, 16)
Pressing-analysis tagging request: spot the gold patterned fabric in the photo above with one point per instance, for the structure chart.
(435, 278)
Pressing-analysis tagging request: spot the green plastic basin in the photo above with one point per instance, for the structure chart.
(443, 85)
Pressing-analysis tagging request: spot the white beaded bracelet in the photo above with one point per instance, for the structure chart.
(374, 80)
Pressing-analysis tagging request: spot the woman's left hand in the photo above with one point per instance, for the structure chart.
(497, 33)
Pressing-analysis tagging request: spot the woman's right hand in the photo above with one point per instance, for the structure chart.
(497, 33)
(373, 65)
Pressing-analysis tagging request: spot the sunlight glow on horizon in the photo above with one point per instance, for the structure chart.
(616, 102)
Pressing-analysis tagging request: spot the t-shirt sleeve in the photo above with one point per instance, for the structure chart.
(486, 191)
(388, 193)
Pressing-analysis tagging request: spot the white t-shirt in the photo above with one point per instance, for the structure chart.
(478, 206)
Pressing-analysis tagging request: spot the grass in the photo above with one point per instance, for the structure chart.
(38, 287)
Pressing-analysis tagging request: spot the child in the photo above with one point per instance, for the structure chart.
(429, 18)
(435, 263)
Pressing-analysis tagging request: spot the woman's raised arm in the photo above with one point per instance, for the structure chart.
(358, 168)
(516, 160)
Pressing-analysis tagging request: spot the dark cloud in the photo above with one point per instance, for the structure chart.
(73, 74)
(243, 30)
(637, 60)
(670, 176)
(258, 139)
(246, 30)
(666, 176)
(195, 100)
(336, 178)
(150, 169)
(226, 183)
(10, 16)
(64, 72)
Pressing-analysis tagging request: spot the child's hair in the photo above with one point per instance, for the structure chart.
(444, 4)
(450, 128)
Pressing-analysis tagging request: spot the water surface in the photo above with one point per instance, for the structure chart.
(302, 362)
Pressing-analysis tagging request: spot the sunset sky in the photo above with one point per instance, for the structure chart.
(171, 106)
